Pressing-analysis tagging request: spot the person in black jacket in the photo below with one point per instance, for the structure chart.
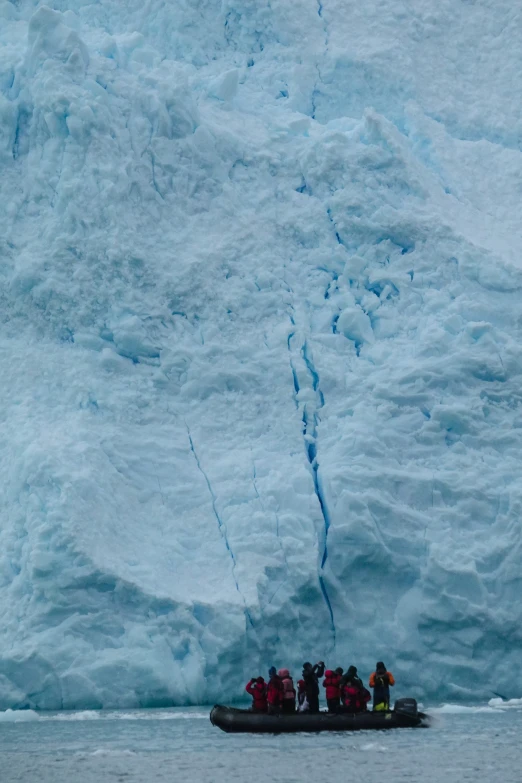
(311, 675)
(352, 676)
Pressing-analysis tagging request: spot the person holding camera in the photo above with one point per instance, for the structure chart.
(257, 689)
(311, 675)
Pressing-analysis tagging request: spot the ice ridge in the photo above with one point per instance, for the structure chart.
(259, 320)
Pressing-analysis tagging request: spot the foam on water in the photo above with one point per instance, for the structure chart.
(83, 715)
(106, 753)
(89, 715)
(461, 709)
(493, 707)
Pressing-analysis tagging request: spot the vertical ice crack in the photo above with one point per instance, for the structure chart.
(315, 91)
(334, 226)
(311, 420)
(153, 175)
(292, 367)
(221, 525)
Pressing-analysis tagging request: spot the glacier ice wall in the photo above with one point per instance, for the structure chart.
(261, 346)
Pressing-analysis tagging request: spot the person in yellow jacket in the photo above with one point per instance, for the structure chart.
(380, 681)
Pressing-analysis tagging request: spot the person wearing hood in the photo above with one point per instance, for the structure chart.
(311, 676)
(332, 683)
(354, 696)
(380, 681)
(274, 692)
(257, 689)
(352, 676)
(288, 705)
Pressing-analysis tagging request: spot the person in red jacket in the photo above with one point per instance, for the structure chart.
(332, 683)
(354, 696)
(274, 693)
(257, 689)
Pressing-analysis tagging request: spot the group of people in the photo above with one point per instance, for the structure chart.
(345, 692)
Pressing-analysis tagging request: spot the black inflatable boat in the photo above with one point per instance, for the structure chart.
(403, 715)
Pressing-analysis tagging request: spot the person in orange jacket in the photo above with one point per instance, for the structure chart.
(380, 681)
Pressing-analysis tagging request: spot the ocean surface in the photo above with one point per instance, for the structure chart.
(463, 744)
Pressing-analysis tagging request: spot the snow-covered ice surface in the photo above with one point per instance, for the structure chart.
(261, 346)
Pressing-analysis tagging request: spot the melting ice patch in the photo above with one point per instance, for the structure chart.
(502, 704)
(263, 338)
(18, 716)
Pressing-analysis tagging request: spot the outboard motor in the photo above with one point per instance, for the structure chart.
(406, 705)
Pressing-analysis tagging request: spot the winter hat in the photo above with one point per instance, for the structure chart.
(352, 671)
(272, 670)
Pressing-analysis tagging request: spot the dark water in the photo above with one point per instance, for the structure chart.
(181, 745)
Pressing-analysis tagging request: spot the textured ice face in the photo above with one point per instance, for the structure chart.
(260, 307)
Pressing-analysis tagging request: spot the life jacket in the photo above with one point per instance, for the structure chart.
(332, 683)
(288, 684)
(258, 692)
(275, 690)
(381, 679)
(354, 697)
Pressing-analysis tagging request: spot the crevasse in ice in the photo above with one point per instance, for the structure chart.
(260, 342)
